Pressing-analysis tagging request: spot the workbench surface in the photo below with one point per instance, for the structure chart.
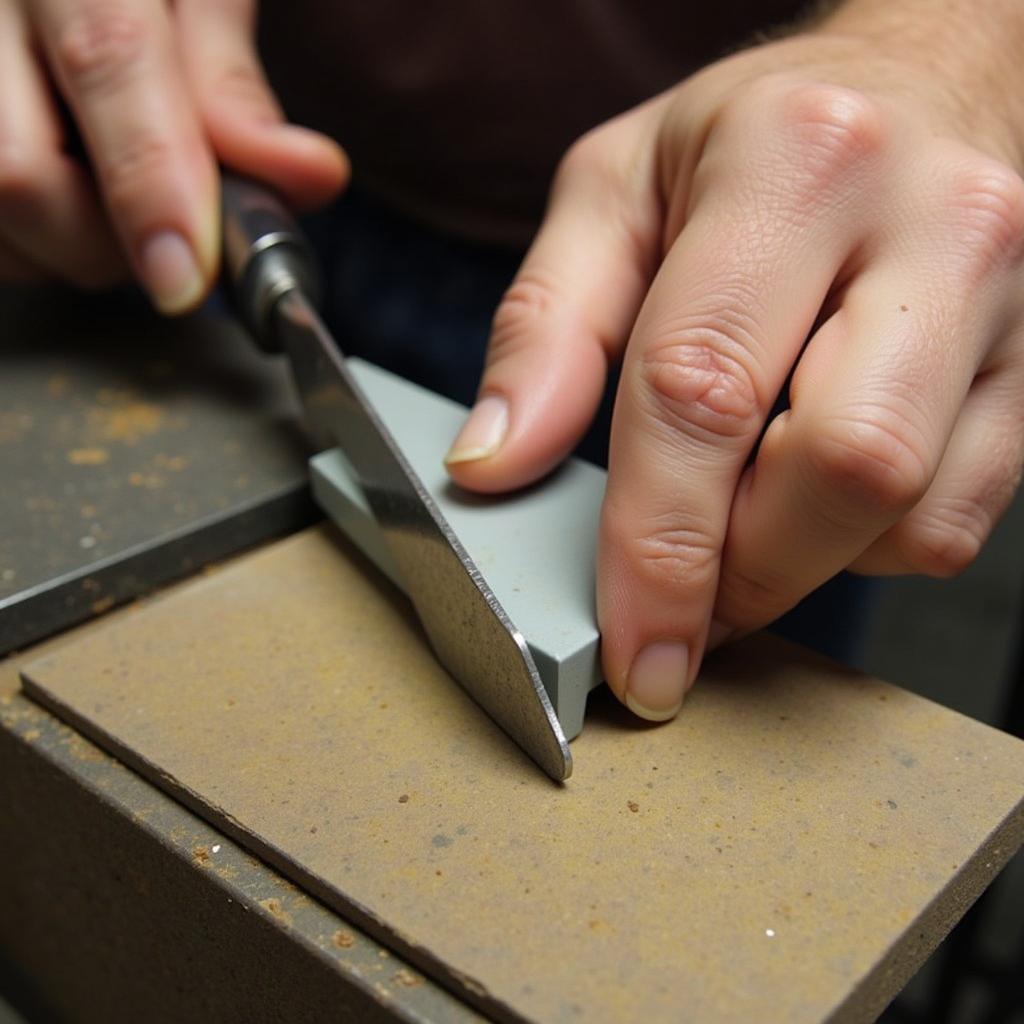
(790, 848)
(120, 905)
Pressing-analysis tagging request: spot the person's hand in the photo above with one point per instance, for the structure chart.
(158, 93)
(808, 189)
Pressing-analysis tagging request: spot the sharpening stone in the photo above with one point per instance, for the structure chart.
(121, 906)
(789, 848)
(535, 547)
(133, 451)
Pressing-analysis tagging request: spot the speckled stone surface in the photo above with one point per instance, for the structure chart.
(121, 906)
(133, 451)
(789, 849)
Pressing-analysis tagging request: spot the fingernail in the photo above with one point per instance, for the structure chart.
(482, 433)
(170, 272)
(718, 633)
(657, 680)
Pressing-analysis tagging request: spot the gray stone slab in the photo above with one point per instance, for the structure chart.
(535, 547)
(121, 906)
(132, 450)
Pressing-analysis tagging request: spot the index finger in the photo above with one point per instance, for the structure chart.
(116, 65)
(718, 332)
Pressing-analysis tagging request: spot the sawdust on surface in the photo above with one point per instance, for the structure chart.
(120, 416)
(343, 939)
(732, 835)
(175, 463)
(93, 456)
(150, 481)
(407, 978)
(275, 908)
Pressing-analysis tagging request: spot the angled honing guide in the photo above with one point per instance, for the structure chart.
(535, 547)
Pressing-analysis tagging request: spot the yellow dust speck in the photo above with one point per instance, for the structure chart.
(150, 481)
(407, 978)
(175, 463)
(126, 420)
(88, 456)
(276, 910)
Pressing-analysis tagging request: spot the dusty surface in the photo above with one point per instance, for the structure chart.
(118, 431)
(82, 885)
(789, 849)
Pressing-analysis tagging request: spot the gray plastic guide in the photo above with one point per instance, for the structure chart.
(535, 547)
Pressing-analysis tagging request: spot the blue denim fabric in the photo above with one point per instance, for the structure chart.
(420, 304)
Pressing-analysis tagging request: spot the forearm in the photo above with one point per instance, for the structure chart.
(972, 50)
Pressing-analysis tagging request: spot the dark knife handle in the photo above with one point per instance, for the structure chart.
(265, 255)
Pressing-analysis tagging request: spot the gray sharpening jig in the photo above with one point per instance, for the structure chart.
(535, 547)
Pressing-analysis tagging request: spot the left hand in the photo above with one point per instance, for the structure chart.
(807, 189)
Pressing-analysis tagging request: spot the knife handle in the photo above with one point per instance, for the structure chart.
(265, 255)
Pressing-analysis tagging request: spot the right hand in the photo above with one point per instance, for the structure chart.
(160, 93)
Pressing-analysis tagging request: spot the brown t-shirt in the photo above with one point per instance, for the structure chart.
(457, 112)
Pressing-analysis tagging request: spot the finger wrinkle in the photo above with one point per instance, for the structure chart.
(695, 386)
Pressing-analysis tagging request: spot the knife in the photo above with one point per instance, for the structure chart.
(271, 275)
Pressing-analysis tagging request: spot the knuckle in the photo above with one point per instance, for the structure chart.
(700, 379)
(988, 200)
(872, 460)
(99, 45)
(827, 134)
(844, 125)
(941, 549)
(836, 133)
(670, 554)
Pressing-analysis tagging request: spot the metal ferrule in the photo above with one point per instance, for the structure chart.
(265, 256)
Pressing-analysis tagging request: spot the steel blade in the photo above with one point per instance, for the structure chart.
(469, 630)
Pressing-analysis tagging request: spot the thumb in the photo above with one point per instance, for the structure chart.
(243, 120)
(567, 313)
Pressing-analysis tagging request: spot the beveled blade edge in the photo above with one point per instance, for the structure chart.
(331, 396)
